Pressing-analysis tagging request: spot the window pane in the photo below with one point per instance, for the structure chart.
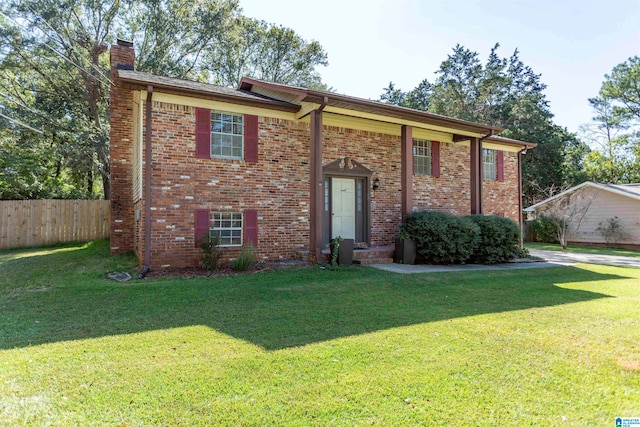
(421, 157)
(227, 135)
(489, 164)
(227, 225)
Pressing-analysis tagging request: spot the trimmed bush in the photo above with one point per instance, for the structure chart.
(440, 237)
(211, 252)
(545, 230)
(499, 239)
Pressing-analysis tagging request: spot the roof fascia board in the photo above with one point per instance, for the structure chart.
(509, 141)
(492, 145)
(140, 84)
(220, 105)
(388, 119)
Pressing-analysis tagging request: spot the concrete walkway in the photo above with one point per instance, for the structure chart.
(553, 259)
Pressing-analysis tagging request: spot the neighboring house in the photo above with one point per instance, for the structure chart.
(284, 168)
(603, 202)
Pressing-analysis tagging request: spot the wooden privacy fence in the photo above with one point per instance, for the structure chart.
(43, 222)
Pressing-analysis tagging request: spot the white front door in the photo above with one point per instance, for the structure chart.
(343, 209)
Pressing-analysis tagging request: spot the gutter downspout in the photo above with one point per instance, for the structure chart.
(147, 186)
(521, 220)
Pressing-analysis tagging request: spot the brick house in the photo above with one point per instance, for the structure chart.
(285, 168)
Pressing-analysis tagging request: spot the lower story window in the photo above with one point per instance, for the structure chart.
(227, 225)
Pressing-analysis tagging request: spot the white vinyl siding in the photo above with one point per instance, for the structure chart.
(421, 157)
(605, 205)
(227, 225)
(227, 141)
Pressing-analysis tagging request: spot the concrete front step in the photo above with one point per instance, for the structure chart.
(369, 261)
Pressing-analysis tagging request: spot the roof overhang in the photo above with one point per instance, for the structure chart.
(364, 108)
(301, 101)
(175, 86)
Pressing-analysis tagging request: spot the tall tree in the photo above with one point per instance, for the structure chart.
(506, 93)
(57, 47)
(614, 131)
(54, 83)
(264, 51)
(172, 36)
(622, 86)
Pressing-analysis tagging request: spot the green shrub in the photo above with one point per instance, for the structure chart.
(441, 238)
(245, 259)
(499, 239)
(613, 231)
(211, 252)
(545, 230)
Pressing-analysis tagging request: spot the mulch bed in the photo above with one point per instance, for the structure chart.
(225, 270)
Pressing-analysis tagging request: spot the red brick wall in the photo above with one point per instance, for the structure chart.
(277, 187)
(381, 154)
(121, 134)
(501, 198)
(451, 191)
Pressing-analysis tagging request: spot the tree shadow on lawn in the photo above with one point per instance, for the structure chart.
(281, 309)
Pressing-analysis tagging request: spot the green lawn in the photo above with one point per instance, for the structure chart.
(583, 249)
(358, 346)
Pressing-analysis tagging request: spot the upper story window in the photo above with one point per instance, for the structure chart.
(489, 164)
(421, 157)
(227, 141)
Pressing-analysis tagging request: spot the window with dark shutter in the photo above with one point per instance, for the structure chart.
(435, 158)
(203, 133)
(500, 165)
(251, 228)
(422, 157)
(250, 138)
(202, 224)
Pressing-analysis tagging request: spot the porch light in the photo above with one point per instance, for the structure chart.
(376, 184)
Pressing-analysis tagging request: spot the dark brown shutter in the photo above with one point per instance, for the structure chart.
(251, 228)
(435, 159)
(500, 165)
(203, 133)
(250, 138)
(202, 220)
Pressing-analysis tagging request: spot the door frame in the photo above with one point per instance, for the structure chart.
(347, 169)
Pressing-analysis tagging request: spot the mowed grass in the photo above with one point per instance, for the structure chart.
(357, 346)
(584, 249)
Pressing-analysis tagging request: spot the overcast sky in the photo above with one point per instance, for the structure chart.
(571, 43)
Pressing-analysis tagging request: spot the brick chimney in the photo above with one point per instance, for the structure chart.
(122, 56)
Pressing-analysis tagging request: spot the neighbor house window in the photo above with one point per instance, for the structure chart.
(226, 135)
(489, 164)
(227, 225)
(421, 157)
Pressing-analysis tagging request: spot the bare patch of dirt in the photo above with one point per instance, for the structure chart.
(630, 365)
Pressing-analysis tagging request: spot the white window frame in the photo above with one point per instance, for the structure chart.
(490, 164)
(422, 157)
(223, 223)
(229, 129)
